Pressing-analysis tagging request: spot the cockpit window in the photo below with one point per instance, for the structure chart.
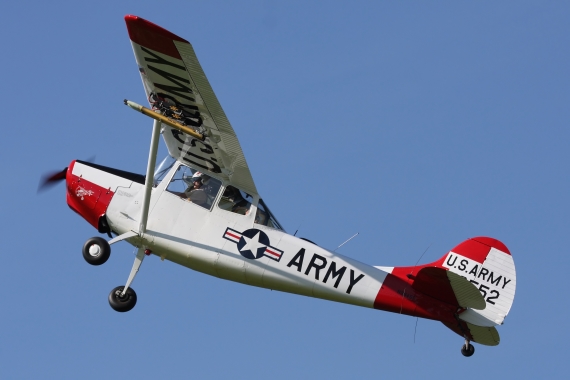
(235, 200)
(194, 186)
(162, 169)
(263, 216)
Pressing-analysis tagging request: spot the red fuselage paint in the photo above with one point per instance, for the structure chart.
(87, 198)
(398, 296)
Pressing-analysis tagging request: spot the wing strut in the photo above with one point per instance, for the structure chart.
(149, 182)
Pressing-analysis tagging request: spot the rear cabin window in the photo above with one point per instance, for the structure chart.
(235, 200)
(263, 216)
(194, 186)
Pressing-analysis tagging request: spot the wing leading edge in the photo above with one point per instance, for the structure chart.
(176, 85)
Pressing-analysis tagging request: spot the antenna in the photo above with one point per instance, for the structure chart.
(411, 277)
(416, 329)
(295, 234)
(352, 237)
(422, 255)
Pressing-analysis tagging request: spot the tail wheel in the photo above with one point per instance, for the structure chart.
(96, 251)
(467, 349)
(122, 303)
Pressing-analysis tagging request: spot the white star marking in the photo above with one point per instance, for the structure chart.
(252, 244)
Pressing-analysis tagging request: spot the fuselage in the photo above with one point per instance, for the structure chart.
(234, 247)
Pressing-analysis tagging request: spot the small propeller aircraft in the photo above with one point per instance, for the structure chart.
(200, 208)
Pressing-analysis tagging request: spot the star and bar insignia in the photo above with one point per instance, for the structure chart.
(253, 244)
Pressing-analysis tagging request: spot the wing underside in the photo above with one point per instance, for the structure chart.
(176, 86)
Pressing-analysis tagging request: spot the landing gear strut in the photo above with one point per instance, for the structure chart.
(467, 349)
(124, 298)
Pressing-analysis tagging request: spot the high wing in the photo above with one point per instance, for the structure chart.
(176, 85)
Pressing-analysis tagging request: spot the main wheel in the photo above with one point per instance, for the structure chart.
(470, 350)
(96, 251)
(122, 303)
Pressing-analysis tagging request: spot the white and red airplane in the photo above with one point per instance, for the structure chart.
(200, 208)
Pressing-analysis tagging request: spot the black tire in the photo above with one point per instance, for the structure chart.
(470, 350)
(125, 303)
(96, 251)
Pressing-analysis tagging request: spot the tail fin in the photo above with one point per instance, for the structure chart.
(488, 264)
(475, 283)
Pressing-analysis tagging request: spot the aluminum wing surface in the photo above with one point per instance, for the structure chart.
(177, 86)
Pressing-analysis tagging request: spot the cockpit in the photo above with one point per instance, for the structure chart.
(191, 185)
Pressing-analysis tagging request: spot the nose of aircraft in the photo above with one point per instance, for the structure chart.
(51, 178)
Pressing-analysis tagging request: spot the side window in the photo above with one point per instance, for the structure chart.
(235, 200)
(263, 216)
(193, 186)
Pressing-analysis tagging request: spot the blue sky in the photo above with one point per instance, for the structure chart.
(417, 125)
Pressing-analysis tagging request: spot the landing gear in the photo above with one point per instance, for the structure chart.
(467, 349)
(124, 298)
(122, 302)
(96, 251)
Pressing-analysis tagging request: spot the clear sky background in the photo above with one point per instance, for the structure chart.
(415, 124)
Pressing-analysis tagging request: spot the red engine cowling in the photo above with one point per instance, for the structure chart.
(90, 188)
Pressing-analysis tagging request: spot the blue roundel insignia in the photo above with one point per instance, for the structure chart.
(253, 244)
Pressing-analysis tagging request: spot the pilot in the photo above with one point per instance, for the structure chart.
(197, 184)
(209, 186)
(196, 193)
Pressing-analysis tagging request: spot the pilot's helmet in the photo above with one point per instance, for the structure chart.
(189, 180)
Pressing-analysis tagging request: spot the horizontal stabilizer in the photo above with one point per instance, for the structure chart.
(488, 336)
(467, 294)
(485, 335)
(448, 287)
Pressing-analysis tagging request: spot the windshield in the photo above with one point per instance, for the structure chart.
(162, 169)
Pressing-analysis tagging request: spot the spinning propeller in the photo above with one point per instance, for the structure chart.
(50, 179)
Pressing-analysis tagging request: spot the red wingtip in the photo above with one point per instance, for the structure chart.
(152, 36)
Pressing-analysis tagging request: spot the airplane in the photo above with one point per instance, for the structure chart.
(200, 208)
